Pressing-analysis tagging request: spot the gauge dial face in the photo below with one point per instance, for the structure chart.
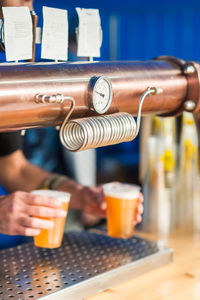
(100, 94)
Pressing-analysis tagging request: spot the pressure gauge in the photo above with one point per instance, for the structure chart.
(100, 94)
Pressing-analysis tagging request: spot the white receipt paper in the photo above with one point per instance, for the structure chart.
(18, 33)
(89, 32)
(55, 34)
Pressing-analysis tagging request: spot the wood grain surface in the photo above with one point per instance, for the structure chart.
(179, 280)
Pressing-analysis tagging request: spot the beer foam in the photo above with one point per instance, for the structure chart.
(59, 195)
(121, 190)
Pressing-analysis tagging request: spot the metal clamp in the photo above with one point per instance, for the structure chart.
(191, 70)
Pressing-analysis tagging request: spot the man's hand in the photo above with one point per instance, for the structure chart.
(91, 200)
(140, 208)
(20, 213)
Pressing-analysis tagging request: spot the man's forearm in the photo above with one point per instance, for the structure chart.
(16, 173)
(36, 178)
(75, 190)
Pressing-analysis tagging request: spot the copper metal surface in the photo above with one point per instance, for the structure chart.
(19, 85)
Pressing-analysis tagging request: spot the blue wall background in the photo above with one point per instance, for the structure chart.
(138, 30)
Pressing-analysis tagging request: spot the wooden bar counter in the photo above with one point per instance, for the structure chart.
(179, 280)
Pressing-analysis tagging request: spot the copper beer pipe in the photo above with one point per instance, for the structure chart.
(20, 84)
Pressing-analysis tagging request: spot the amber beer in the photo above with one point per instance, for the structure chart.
(52, 238)
(121, 202)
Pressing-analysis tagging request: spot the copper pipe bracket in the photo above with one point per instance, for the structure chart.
(191, 70)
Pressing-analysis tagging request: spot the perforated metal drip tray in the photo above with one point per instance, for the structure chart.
(85, 264)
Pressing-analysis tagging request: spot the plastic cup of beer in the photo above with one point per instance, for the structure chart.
(121, 200)
(52, 238)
